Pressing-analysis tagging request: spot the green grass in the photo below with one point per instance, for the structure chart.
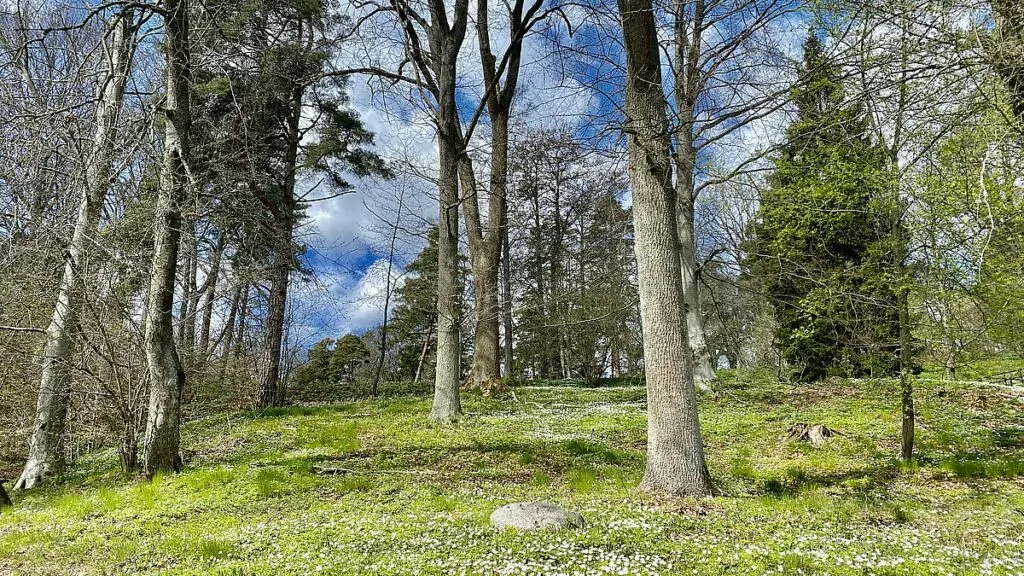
(415, 498)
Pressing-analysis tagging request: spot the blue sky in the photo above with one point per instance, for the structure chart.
(580, 87)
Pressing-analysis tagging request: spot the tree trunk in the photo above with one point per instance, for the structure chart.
(486, 341)
(447, 405)
(190, 300)
(906, 386)
(507, 301)
(229, 333)
(270, 364)
(46, 450)
(268, 393)
(704, 375)
(688, 84)
(165, 373)
(387, 296)
(424, 351)
(675, 450)
(209, 299)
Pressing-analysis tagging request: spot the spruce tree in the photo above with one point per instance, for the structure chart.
(821, 234)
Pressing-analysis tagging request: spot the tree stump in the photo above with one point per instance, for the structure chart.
(5, 500)
(816, 434)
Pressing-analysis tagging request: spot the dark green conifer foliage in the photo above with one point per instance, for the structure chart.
(822, 234)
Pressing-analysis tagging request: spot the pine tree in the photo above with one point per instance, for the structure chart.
(821, 234)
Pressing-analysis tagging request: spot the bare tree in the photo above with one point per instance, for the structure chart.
(46, 452)
(675, 450)
(160, 451)
(485, 242)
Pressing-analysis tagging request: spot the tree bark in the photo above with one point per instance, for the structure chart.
(675, 450)
(447, 404)
(161, 445)
(688, 84)
(906, 386)
(268, 393)
(485, 247)
(46, 450)
(507, 302)
(229, 333)
(387, 296)
(270, 364)
(445, 43)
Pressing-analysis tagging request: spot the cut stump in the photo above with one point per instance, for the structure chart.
(816, 434)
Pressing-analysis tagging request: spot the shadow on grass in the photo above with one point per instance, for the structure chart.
(796, 480)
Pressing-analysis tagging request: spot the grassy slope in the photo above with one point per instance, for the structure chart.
(419, 497)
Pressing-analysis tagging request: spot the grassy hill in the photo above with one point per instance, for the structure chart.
(409, 498)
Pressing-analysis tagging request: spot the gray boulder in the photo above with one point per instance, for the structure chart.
(535, 516)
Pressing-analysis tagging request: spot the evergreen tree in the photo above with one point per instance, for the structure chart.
(821, 234)
(349, 354)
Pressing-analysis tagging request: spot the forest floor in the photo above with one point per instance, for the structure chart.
(416, 498)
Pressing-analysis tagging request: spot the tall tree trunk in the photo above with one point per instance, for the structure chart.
(243, 315)
(486, 246)
(688, 84)
(46, 450)
(486, 340)
(506, 269)
(387, 296)
(447, 405)
(161, 445)
(189, 296)
(270, 364)
(675, 450)
(703, 367)
(268, 393)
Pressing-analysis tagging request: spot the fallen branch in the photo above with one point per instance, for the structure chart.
(329, 471)
(22, 329)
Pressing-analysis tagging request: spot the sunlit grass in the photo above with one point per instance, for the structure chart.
(405, 497)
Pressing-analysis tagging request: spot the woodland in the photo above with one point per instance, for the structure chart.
(334, 286)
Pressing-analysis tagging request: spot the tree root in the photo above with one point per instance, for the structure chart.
(816, 434)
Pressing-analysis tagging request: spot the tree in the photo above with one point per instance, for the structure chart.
(46, 451)
(485, 244)
(414, 319)
(349, 354)
(675, 449)
(165, 371)
(821, 233)
(317, 367)
(705, 66)
(575, 303)
(278, 54)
